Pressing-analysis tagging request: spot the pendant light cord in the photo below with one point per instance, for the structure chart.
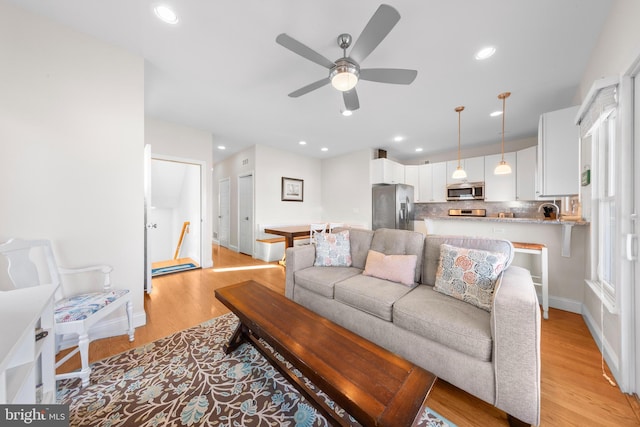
(504, 103)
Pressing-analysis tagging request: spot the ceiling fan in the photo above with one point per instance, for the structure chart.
(345, 72)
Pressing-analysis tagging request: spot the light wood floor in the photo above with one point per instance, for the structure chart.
(574, 393)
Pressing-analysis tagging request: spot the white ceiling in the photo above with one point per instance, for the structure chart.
(219, 69)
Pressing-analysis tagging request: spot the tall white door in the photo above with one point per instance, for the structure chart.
(147, 211)
(224, 212)
(245, 213)
(636, 229)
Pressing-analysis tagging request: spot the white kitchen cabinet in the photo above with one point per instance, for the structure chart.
(526, 174)
(500, 188)
(412, 177)
(433, 182)
(558, 154)
(473, 166)
(385, 171)
(27, 371)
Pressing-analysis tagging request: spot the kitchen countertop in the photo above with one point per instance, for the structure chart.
(509, 220)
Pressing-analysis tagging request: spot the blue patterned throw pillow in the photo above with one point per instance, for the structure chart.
(333, 249)
(469, 275)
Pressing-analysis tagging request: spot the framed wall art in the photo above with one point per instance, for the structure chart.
(292, 190)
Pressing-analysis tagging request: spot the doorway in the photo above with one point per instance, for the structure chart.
(245, 214)
(174, 218)
(224, 212)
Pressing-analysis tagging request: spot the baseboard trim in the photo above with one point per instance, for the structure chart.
(610, 355)
(564, 304)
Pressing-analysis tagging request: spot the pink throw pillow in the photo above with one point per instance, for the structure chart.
(396, 268)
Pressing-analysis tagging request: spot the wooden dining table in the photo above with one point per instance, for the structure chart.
(289, 233)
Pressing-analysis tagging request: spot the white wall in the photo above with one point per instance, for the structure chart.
(188, 144)
(346, 189)
(71, 150)
(273, 164)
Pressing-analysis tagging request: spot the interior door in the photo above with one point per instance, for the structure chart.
(224, 212)
(245, 213)
(147, 209)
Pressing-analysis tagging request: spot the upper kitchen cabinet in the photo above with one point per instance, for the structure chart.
(412, 177)
(558, 154)
(385, 171)
(526, 174)
(473, 166)
(433, 182)
(499, 188)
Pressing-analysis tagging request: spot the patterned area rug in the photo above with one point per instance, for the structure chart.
(186, 380)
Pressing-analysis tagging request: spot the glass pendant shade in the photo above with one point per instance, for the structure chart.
(503, 167)
(459, 173)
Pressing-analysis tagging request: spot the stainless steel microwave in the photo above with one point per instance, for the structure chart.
(466, 191)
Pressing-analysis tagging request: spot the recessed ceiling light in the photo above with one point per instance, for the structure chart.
(221, 147)
(486, 52)
(496, 113)
(302, 142)
(324, 149)
(347, 113)
(419, 149)
(398, 138)
(166, 14)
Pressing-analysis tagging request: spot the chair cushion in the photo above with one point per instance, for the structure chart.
(333, 249)
(446, 320)
(370, 294)
(79, 307)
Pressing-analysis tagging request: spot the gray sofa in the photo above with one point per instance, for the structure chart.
(494, 355)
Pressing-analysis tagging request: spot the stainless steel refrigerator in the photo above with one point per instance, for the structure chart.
(393, 206)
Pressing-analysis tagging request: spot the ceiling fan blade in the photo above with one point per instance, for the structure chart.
(308, 88)
(296, 47)
(389, 75)
(351, 101)
(380, 24)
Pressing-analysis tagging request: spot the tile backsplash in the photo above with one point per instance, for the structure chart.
(520, 209)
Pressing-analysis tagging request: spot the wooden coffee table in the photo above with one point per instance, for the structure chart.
(375, 386)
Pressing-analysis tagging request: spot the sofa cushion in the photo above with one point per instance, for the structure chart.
(370, 294)
(333, 249)
(360, 241)
(469, 275)
(432, 251)
(400, 242)
(446, 320)
(396, 268)
(321, 279)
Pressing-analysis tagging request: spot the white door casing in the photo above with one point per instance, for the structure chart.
(147, 209)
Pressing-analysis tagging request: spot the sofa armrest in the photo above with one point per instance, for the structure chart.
(298, 258)
(515, 326)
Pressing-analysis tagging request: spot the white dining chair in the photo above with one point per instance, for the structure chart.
(333, 225)
(31, 263)
(315, 229)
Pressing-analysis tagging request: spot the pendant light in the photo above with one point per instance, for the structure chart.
(459, 173)
(503, 167)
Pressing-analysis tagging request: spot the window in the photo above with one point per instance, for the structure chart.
(601, 125)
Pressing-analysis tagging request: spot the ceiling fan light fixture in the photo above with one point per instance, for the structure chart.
(344, 76)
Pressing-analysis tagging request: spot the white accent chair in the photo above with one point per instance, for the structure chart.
(316, 229)
(31, 263)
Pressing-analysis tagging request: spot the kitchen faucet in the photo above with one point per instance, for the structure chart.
(551, 205)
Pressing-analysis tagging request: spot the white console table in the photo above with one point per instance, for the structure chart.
(27, 366)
